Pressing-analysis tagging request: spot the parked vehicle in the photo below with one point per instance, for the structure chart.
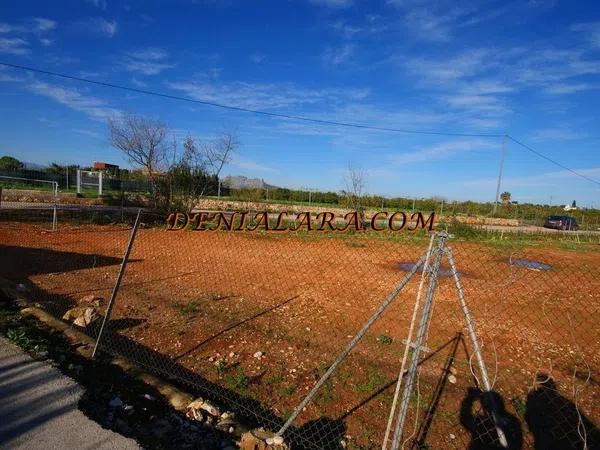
(561, 223)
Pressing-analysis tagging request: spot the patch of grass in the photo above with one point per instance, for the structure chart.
(20, 337)
(374, 382)
(221, 366)
(238, 381)
(274, 380)
(288, 390)
(520, 406)
(191, 308)
(384, 339)
(325, 394)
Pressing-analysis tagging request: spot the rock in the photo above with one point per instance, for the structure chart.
(91, 300)
(453, 370)
(452, 436)
(202, 405)
(232, 354)
(258, 355)
(259, 439)
(81, 316)
(452, 379)
(227, 415)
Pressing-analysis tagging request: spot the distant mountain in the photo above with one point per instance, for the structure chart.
(241, 182)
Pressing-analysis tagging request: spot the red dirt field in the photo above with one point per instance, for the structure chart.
(208, 302)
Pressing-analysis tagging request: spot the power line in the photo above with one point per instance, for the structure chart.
(541, 155)
(290, 116)
(241, 109)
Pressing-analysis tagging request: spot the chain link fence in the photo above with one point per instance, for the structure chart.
(253, 320)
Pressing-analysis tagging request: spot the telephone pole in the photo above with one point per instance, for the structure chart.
(500, 175)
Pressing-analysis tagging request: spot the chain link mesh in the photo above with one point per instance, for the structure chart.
(251, 320)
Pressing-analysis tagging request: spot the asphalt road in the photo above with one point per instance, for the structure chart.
(38, 408)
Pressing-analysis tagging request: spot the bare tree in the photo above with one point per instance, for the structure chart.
(354, 179)
(143, 141)
(200, 165)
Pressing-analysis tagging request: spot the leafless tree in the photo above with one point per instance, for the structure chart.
(200, 165)
(354, 179)
(143, 141)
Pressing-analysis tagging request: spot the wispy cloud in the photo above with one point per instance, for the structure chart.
(568, 88)
(14, 41)
(557, 134)
(14, 46)
(333, 3)
(590, 30)
(147, 61)
(458, 67)
(257, 58)
(262, 95)
(442, 150)
(94, 107)
(338, 55)
(97, 26)
(249, 164)
(543, 180)
(102, 4)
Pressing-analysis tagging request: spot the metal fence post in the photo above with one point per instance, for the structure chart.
(117, 283)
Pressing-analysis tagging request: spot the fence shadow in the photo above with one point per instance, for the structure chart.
(555, 421)
(421, 435)
(235, 325)
(252, 412)
(480, 424)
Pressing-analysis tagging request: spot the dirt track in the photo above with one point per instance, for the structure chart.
(210, 301)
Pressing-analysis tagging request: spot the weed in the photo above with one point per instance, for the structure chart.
(520, 406)
(374, 382)
(20, 337)
(190, 309)
(238, 382)
(274, 380)
(221, 366)
(384, 339)
(286, 391)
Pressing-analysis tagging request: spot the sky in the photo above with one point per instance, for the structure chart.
(530, 69)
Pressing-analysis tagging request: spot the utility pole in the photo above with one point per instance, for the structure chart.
(502, 157)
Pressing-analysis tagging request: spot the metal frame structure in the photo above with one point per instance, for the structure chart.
(398, 413)
(54, 185)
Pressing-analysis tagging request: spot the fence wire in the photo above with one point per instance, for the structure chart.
(252, 320)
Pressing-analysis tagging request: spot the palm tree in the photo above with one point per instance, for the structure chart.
(505, 197)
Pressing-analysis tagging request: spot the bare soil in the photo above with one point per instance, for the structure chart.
(210, 301)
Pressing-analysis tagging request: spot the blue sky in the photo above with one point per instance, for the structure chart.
(527, 68)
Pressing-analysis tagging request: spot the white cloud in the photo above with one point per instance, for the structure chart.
(333, 3)
(568, 88)
(146, 61)
(14, 46)
(458, 67)
(256, 58)
(102, 4)
(42, 25)
(92, 106)
(262, 95)
(591, 31)
(249, 164)
(97, 26)
(46, 42)
(544, 180)
(338, 55)
(557, 134)
(442, 150)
